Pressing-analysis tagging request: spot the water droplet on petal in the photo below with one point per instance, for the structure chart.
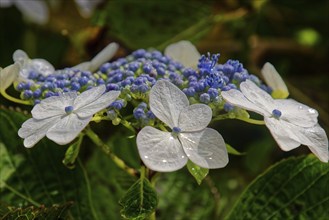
(311, 110)
(165, 161)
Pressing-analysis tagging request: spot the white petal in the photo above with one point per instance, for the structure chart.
(8, 75)
(35, 10)
(86, 7)
(236, 98)
(257, 96)
(297, 113)
(42, 66)
(19, 55)
(68, 128)
(89, 96)
(159, 150)
(316, 140)
(83, 66)
(34, 130)
(53, 106)
(100, 103)
(274, 80)
(205, 148)
(184, 52)
(195, 117)
(282, 133)
(105, 55)
(167, 101)
(290, 136)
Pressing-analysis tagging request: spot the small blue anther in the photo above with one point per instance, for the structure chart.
(176, 130)
(69, 109)
(276, 113)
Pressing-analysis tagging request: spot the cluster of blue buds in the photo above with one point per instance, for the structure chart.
(135, 75)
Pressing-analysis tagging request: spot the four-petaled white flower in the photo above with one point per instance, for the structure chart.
(190, 138)
(61, 118)
(290, 122)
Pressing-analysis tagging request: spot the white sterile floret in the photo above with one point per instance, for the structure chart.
(184, 52)
(8, 75)
(103, 56)
(290, 122)
(61, 118)
(274, 80)
(190, 138)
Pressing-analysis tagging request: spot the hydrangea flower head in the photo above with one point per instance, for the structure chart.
(61, 118)
(190, 138)
(290, 122)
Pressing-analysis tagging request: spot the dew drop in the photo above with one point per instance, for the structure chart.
(165, 161)
(311, 110)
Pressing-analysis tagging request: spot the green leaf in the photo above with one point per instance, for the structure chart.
(197, 172)
(31, 212)
(158, 21)
(140, 200)
(7, 164)
(72, 153)
(233, 151)
(295, 188)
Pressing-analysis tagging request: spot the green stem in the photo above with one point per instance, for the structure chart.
(106, 149)
(229, 116)
(222, 117)
(22, 196)
(128, 125)
(13, 99)
(252, 121)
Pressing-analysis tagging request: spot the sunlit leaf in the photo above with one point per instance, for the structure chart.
(296, 188)
(140, 200)
(34, 213)
(197, 172)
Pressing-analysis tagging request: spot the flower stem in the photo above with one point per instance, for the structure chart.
(128, 125)
(252, 121)
(13, 99)
(22, 196)
(106, 149)
(229, 116)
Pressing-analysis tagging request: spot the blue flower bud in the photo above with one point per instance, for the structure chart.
(228, 107)
(112, 86)
(105, 67)
(150, 114)
(205, 98)
(142, 105)
(27, 94)
(189, 91)
(138, 113)
(37, 93)
(75, 86)
(213, 93)
(118, 104)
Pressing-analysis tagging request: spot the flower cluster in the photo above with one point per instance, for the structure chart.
(147, 91)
